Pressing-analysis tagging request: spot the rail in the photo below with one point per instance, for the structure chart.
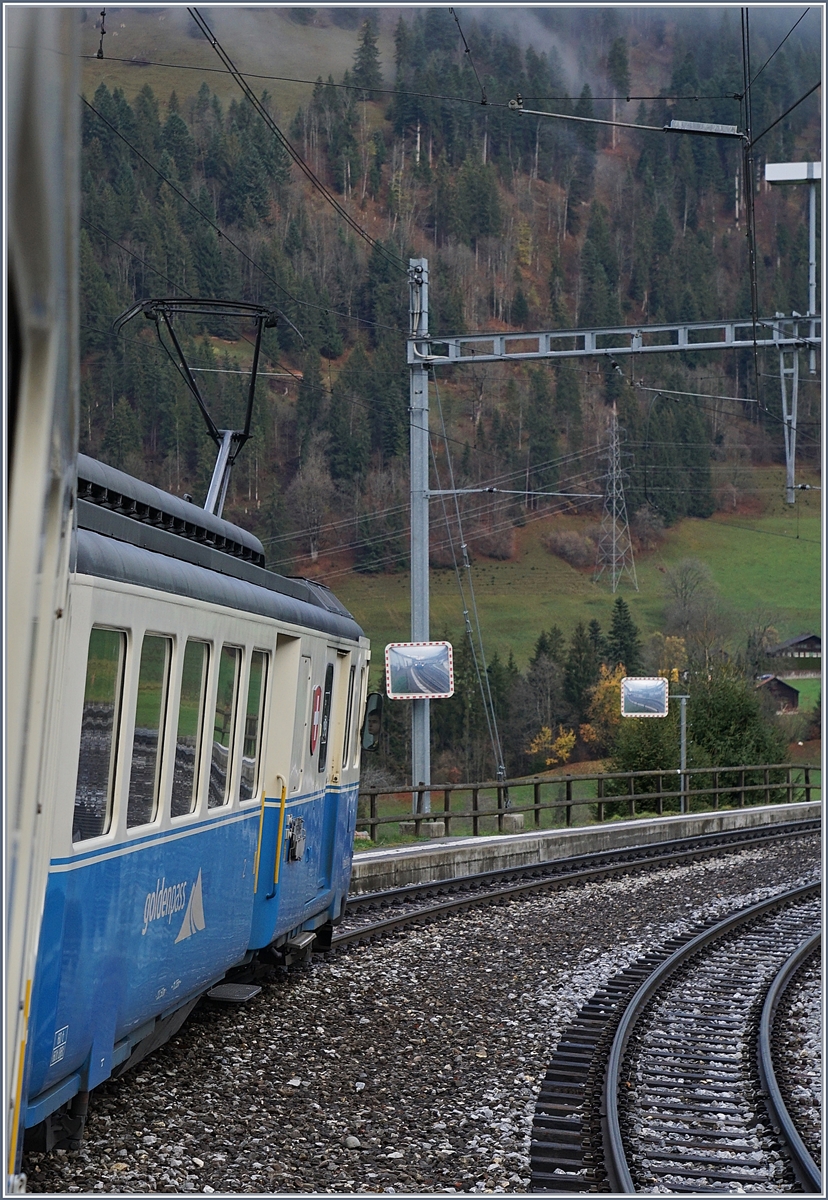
(615, 1159)
(493, 805)
(807, 1172)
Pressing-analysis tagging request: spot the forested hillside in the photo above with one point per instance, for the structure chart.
(527, 222)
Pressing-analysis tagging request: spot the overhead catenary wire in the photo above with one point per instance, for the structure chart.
(779, 47)
(639, 387)
(787, 112)
(498, 527)
(396, 508)
(288, 146)
(483, 99)
(480, 511)
(390, 560)
(516, 105)
(380, 91)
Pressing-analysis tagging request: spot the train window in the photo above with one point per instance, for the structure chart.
(99, 733)
(150, 706)
(223, 723)
(190, 727)
(348, 716)
(326, 718)
(360, 700)
(253, 725)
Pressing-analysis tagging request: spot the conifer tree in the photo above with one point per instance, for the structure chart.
(309, 402)
(587, 134)
(543, 444)
(123, 436)
(623, 642)
(367, 73)
(581, 670)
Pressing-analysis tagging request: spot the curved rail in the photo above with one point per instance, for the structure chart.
(482, 888)
(615, 1159)
(806, 1170)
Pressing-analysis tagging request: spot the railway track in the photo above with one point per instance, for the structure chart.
(422, 901)
(781, 1085)
(656, 1086)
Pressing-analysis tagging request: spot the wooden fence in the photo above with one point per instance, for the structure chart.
(550, 801)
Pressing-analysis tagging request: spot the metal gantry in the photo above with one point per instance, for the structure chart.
(786, 174)
(423, 351)
(615, 341)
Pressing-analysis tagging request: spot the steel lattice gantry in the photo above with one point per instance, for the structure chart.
(786, 335)
(771, 333)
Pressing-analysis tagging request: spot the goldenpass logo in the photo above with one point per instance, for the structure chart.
(164, 902)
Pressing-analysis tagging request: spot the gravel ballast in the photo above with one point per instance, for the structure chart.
(409, 1065)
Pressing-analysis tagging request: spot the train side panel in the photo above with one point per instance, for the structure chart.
(142, 917)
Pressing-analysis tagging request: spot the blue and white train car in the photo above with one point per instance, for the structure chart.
(209, 745)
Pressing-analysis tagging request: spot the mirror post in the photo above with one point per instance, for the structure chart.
(419, 444)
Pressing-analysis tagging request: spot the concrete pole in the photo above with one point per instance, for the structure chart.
(812, 251)
(812, 265)
(420, 628)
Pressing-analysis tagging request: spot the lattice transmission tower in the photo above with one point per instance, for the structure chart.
(615, 552)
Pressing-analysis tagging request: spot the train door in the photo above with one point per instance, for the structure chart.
(287, 859)
(325, 814)
(330, 764)
(289, 688)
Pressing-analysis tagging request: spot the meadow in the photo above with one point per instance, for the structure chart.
(766, 562)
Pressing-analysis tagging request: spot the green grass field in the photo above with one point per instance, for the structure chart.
(809, 691)
(263, 42)
(767, 562)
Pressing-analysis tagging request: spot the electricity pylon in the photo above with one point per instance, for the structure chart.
(615, 552)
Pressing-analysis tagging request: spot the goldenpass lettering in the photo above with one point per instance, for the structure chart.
(164, 902)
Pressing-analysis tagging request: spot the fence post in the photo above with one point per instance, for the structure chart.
(766, 774)
(660, 797)
(807, 785)
(632, 795)
(742, 788)
(500, 810)
(447, 810)
(568, 800)
(536, 792)
(715, 789)
(790, 786)
(372, 814)
(601, 798)
(475, 817)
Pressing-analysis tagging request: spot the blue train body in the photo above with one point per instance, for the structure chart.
(245, 838)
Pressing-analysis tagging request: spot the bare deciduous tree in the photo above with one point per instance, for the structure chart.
(309, 497)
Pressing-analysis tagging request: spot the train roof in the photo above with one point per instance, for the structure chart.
(177, 547)
(112, 489)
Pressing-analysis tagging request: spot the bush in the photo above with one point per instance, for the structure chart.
(648, 528)
(726, 727)
(578, 549)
